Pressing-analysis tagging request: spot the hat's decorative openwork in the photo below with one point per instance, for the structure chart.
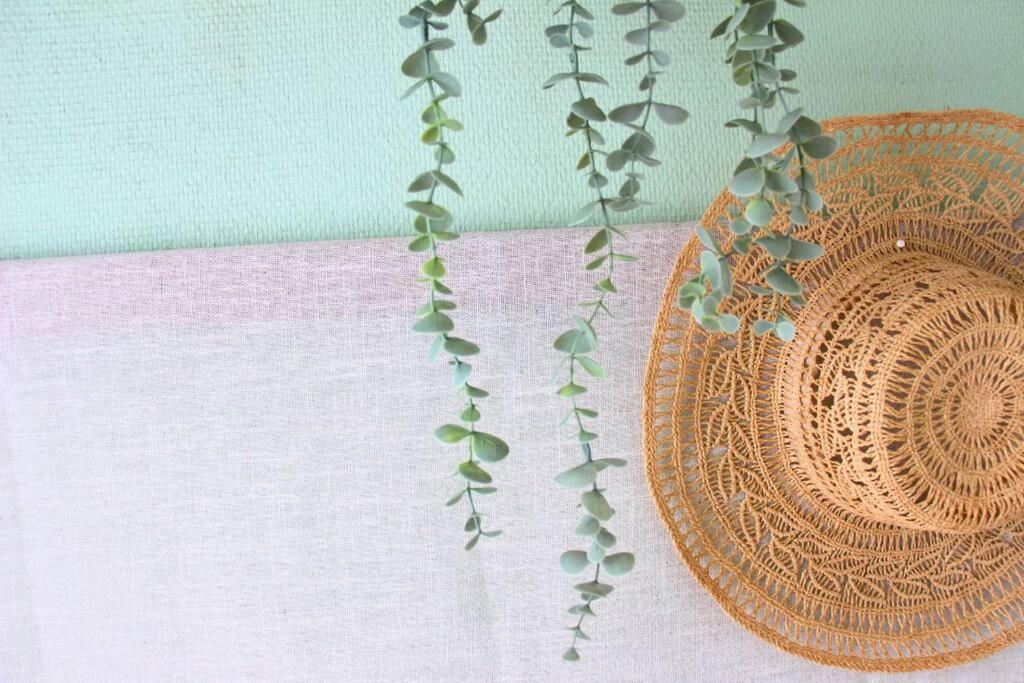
(856, 496)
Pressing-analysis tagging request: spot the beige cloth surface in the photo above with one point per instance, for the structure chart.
(218, 465)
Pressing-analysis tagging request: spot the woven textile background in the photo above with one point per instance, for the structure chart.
(217, 465)
(151, 124)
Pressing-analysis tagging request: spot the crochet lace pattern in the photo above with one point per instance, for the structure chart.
(856, 496)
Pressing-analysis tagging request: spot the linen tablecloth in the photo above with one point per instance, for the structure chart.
(219, 465)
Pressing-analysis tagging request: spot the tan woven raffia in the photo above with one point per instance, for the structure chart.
(856, 496)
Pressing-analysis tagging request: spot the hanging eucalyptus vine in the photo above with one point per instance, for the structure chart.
(578, 343)
(433, 225)
(762, 180)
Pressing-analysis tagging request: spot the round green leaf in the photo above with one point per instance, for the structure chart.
(819, 147)
(579, 476)
(475, 473)
(488, 447)
(781, 281)
(573, 561)
(595, 503)
(451, 433)
(747, 183)
(619, 563)
(588, 526)
(759, 212)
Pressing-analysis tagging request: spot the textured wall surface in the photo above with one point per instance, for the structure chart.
(144, 124)
(217, 465)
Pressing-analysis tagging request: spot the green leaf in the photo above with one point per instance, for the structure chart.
(738, 16)
(719, 29)
(428, 209)
(747, 183)
(605, 538)
(798, 215)
(804, 129)
(595, 553)
(473, 472)
(787, 121)
(456, 498)
(588, 526)
(765, 144)
(573, 341)
(573, 561)
(668, 10)
(729, 323)
(587, 109)
(778, 247)
(605, 285)
(571, 389)
(470, 414)
(579, 476)
(619, 563)
(472, 542)
(587, 330)
(450, 433)
(759, 212)
(448, 83)
(670, 113)
(626, 8)
(484, 490)
(819, 147)
(421, 243)
(447, 181)
(781, 281)
(627, 113)
(598, 242)
(595, 503)
(461, 373)
(475, 392)
(804, 251)
(591, 366)
(706, 239)
(423, 181)
(571, 655)
(583, 214)
(434, 322)
(757, 42)
(488, 447)
(785, 330)
(433, 268)
(603, 463)
(460, 347)
(758, 17)
(712, 268)
(780, 182)
(746, 124)
(787, 33)
(594, 588)
(763, 327)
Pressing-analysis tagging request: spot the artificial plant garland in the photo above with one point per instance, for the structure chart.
(576, 344)
(433, 223)
(761, 180)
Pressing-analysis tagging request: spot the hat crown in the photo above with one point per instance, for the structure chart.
(905, 393)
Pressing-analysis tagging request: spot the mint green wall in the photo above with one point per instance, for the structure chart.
(129, 125)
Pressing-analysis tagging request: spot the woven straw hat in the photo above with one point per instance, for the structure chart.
(856, 496)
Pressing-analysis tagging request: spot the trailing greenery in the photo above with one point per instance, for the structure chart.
(433, 225)
(578, 343)
(762, 181)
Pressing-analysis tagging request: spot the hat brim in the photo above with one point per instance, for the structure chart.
(833, 588)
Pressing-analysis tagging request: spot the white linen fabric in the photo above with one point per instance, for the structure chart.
(219, 465)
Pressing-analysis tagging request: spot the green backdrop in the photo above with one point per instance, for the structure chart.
(128, 125)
